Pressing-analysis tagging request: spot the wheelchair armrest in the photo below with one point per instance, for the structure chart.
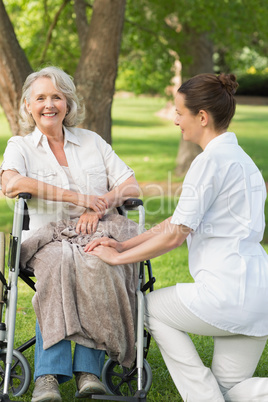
(26, 196)
(132, 203)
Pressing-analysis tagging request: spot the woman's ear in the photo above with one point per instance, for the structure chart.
(27, 105)
(204, 118)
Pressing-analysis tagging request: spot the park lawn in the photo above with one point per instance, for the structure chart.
(149, 145)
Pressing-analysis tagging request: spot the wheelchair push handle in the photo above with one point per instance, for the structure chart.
(25, 196)
(132, 203)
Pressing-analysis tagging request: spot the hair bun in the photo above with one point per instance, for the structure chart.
(229, 82)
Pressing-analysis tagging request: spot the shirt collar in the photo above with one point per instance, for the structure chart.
(224, 138)
(69, 136)
(37, 136)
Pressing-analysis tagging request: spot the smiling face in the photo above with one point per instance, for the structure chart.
(47, 105)
(190, 124)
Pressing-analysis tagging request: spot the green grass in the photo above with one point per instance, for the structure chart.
(145, 142)
(251, 126)
(149, 145)
(4, 133)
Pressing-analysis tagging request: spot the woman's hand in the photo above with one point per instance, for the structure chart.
(106, 242)
(88, 222)
(97, 204)
(106, 254)
(13, 183)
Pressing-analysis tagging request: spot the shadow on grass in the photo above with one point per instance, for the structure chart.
(143, 146)
(136, 123)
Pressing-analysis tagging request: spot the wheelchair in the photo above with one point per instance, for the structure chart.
(123, 384)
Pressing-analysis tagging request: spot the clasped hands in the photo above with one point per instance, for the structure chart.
(106, 249)
(95, 210)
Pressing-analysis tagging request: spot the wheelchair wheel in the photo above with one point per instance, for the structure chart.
(20, 376)
(123, 381)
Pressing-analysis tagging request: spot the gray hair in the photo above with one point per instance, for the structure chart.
(63, 83)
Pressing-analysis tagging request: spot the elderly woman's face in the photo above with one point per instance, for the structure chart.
(47, 105)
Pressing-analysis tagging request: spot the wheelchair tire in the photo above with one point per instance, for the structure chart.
(123, 381)
(20, 376)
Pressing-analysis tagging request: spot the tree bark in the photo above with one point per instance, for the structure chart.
(186, 154)
(200, 49)
(80, 8)
(97, 69)
(14, 68)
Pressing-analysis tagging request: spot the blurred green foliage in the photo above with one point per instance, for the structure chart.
(155, 33)
(253, 84)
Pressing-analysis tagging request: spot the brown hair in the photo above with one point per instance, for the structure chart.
(212, 93)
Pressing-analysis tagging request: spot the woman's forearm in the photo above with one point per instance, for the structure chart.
(146, 250)
(166, 237)
(13, 183)
(170, 237)
(149, 234)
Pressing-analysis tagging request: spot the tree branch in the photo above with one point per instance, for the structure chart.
(82, 24)
(52, 26)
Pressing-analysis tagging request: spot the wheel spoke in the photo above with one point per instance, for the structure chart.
(16, 362)
(19, 373)
(17, 376)
(130, 388)
(124, 381)
(115, 374)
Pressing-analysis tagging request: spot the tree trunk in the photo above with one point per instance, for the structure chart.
(80, 8)
(97, 69)
(186, 154)
(200, 48)
(96, 72)
(14, 68)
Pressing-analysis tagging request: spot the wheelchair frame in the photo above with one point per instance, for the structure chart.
(140, 372)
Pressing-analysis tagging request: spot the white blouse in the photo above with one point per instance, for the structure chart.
(222, 201)
(94, 166)
(74, 210)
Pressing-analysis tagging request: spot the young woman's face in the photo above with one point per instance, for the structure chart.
(47, 105)
(189, 124)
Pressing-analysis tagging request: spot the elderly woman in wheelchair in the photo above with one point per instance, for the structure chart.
(76, 182)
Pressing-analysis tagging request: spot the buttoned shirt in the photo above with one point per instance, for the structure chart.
(222, 201)
(94, 166)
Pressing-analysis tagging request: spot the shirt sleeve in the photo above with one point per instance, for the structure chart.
(199, 190)
(13, 159)
(117, 171)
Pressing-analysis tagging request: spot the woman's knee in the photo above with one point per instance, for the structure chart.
(157, 307)
(159, 301)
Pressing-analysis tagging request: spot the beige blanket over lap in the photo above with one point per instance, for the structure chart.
(79, 297)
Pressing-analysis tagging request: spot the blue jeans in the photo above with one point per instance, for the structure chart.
(57, 359)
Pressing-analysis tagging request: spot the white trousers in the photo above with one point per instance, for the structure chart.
(235, 357)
